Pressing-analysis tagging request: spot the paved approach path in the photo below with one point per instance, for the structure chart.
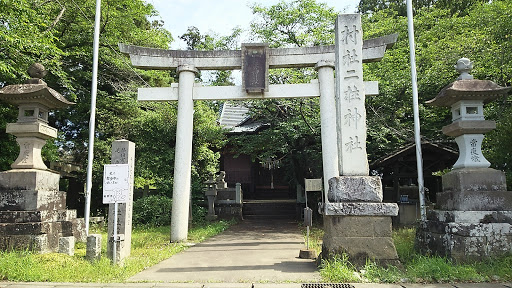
(251, 251)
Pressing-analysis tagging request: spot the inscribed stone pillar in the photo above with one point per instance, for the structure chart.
(123, 152)
(350, 96)
(356, 222)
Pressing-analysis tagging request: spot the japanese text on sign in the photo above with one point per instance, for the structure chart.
(116, 185)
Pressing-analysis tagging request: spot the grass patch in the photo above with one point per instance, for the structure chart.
(417, 268)
(339, 269)
(150, 245)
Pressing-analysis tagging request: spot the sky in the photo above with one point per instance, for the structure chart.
(219, 16)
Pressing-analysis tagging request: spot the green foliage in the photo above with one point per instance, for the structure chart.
(293, 134)
(199, 214)
(496, 269)
(404, 243)
(155, 211)
(441, 38)
(455, 6)
(379, 274)
(338, 269)
(315, 238)
(152, 210)
(297, 23)
(150, 245)
(59, 35)
(9, 148)
(438, 269)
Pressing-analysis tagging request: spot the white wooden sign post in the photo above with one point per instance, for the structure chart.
(116, 189)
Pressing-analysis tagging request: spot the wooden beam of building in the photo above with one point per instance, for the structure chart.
(152, 58)
(237, 93)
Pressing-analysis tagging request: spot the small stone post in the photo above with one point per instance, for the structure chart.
(238, 196)
(93, 251)
(123, 152)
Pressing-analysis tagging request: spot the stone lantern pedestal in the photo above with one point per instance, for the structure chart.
(33, 211)
(472, 217)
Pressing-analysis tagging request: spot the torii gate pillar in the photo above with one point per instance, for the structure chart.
(328, 132)
(183, 154)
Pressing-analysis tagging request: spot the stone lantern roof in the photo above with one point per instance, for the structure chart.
(34, 91)
(473, 89)
(467, 88)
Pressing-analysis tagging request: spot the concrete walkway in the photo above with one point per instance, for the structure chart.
(252, 251)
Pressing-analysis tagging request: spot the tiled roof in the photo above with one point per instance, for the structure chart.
(235, 117)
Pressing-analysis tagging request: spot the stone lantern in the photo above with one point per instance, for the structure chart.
(211, 194)
(33, 212)
(469, 221)
(34, 100)
(467, 97)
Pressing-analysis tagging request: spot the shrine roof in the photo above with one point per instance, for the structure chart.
(236, 118)
(430, 150)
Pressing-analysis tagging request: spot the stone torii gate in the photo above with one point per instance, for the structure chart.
(254, 60)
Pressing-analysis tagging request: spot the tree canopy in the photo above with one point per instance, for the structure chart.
(59, 34)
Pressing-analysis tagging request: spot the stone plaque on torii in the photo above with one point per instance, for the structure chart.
(255, 60)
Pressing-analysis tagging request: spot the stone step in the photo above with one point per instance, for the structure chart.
(269, 216)
(279, 193)
(36, 216)
(282, 209)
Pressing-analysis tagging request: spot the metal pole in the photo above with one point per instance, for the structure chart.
(114, 243)
(417, 135)
(307, 238)
(92, 119)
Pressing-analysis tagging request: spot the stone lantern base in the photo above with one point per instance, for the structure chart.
(473, 218)
(33, 212)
